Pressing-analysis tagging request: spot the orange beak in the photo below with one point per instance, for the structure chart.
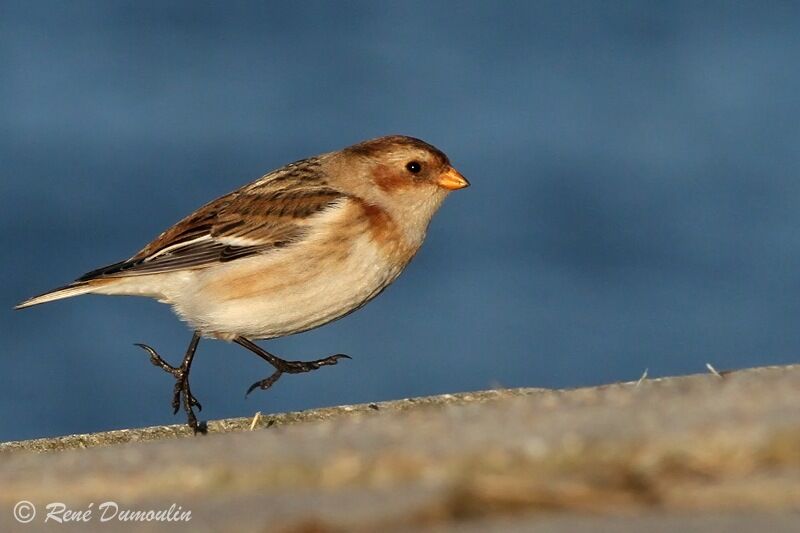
(451, 180)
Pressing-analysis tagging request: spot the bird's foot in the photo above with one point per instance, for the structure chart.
(182, 391)
(293, 367)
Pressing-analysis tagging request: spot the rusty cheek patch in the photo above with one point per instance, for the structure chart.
(389, 179)
(378, 222)
(385, 233)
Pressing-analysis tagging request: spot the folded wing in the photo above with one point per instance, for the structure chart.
(271, 213)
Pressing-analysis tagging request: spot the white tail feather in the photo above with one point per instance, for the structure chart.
(68, 291)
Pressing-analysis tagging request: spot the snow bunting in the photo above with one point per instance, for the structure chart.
(301, 246)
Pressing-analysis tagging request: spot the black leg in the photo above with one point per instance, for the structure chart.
(281, 366)
(182, 389)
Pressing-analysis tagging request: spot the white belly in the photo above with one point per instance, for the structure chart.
(285, 292)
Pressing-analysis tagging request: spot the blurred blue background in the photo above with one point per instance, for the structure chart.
(634, 201)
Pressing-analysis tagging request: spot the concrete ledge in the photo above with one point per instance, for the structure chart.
(677, 453)
(258, 421)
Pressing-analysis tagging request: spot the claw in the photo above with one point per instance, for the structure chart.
(251, 388)
(264, 384)
(293, 367)
(182, 392)
(332, 360)
(146, 348)
(195, 403)
(156, 359)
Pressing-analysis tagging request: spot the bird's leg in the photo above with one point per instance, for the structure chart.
(182, 389)
(281, 366)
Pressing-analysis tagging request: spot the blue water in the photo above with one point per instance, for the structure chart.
(634, 201)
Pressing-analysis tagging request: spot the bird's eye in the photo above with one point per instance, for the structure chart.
(414, 167)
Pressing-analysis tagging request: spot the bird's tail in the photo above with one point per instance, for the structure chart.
(67, 291)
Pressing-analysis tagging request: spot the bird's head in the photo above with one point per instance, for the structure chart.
(404, 175)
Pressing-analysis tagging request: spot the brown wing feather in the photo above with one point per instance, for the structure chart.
(270, 213)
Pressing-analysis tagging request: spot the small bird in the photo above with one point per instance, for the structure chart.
(299, 247)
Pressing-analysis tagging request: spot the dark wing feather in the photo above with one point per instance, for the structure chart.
(270, 213)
